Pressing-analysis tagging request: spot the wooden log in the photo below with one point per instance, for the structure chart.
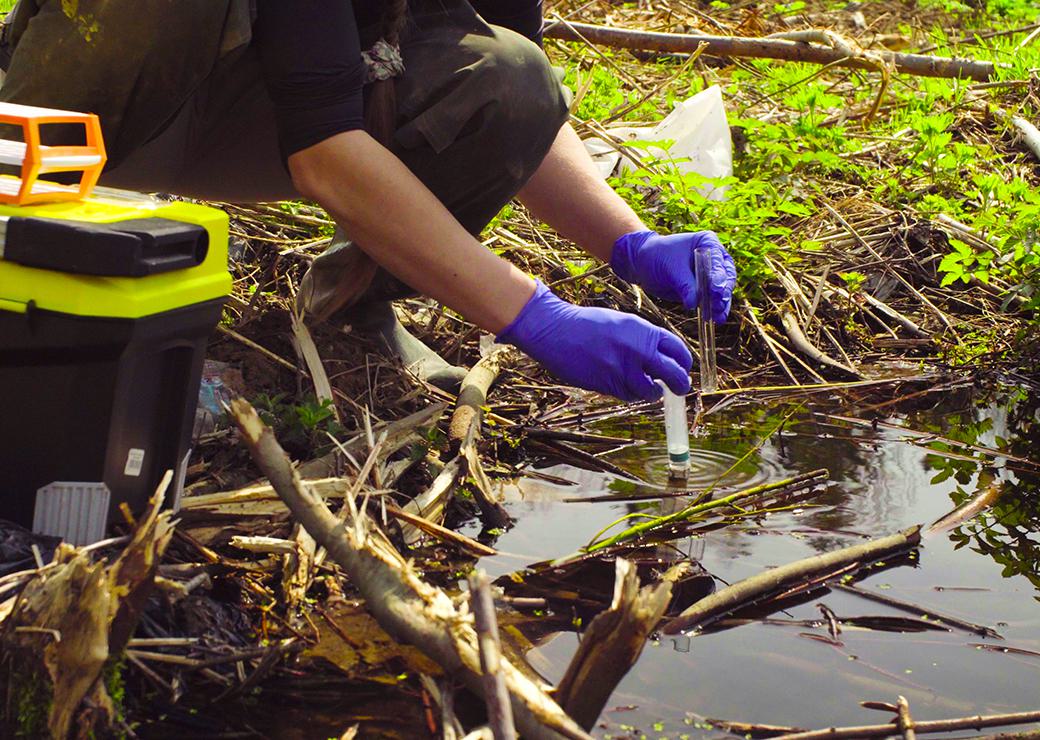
(777, 580)
(764, 48)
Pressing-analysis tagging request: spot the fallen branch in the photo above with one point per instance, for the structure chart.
(404, 605)
(433, 529)
(500, 714)
(612, 644)
(700, 507)
(776, 580)
(469, 407)
(939, 725)
(807, 348)
(884, 308)
(395, 435)
(761, 48)
(905, 721)
(464, 432)
(1029, 133)
(430, 503)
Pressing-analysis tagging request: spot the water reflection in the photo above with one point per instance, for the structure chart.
(882, 479)
(1009, 532)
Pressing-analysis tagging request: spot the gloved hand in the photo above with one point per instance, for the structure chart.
(599, 349)
(663, 266)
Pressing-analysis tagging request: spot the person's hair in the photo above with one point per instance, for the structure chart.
(381, 108)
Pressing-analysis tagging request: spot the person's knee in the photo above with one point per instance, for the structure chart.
(530, 102)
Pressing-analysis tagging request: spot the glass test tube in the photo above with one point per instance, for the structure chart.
(705, 326)
(677, 434)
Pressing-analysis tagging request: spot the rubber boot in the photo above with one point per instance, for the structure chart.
(379, 317)
(343, 286)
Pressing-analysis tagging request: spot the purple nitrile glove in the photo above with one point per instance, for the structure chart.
(599, 349)
(663, 267)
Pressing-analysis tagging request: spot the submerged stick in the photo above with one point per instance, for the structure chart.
(405, 606)
(904, 606)
(760, 48)
(775, 580)
(939, 725)
(968, 510)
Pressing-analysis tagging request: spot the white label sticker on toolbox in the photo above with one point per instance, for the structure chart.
(134, 462)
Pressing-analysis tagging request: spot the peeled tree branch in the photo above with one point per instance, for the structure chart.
(770, 48)
(404, 605)
(776, 580)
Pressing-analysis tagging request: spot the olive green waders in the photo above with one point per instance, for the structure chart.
(184, 110)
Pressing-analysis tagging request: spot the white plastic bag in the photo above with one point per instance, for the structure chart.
(700, 135)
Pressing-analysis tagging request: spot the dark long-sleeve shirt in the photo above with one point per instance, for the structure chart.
(310, 51)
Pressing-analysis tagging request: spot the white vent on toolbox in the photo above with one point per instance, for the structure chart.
(75, 511)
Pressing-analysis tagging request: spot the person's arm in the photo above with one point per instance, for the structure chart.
(402, 226)
(311, 64)
(569, 194)
(311, 59)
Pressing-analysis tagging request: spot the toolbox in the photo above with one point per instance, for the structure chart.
(107, 299)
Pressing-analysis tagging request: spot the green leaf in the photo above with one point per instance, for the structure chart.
(795, 209)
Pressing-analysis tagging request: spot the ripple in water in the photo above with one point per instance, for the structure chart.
(706, 466)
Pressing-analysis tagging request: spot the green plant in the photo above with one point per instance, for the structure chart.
(301, 427)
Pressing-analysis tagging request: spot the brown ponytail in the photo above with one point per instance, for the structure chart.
(381, 107)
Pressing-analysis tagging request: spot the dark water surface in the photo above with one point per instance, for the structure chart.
(986, 571)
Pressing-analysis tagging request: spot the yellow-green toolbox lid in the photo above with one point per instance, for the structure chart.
(116, 255)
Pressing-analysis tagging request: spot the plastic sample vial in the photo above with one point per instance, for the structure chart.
(705, 326)
(677, 434)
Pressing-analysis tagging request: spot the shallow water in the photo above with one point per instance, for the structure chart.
(986, 571)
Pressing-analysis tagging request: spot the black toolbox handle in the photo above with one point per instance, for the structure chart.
(133, 248)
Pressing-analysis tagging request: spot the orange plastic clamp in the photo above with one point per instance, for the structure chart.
(36, 159)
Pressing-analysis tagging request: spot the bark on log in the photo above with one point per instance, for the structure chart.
(762, 48)
(405, 606)
(777, 579)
